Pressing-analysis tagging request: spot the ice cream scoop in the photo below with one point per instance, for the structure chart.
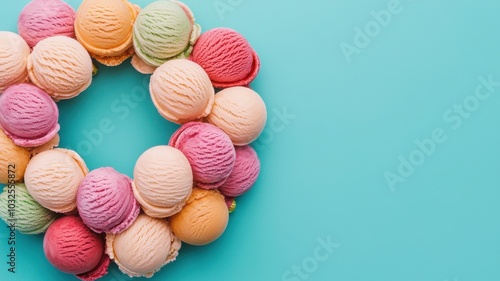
(164, 30)
(227, 57)
(144, 248)
(104, 28)
(28, 115)
(13, 159)
(73, 248)
(245, 172)
(41, 19)
(181, 91)
(105, 201)
(52, 178)
(14, 52)
(209, 151)
(162, 181)
(203, 219)
(240, 112)
(60, 66)
(29, 216)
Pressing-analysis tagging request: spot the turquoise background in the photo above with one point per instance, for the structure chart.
(324, 166)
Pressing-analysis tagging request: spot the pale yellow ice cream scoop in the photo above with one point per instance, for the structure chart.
(52, 178)
(61, 67)
(14, 52)
(104, 28)
(144, 248)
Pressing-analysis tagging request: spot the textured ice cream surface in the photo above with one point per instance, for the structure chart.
(181, 91)
(41, 19)
(28, 115)
(13, 158)
(61, 67)
(227, 57)
(52, 178)
(209, 151)
(71, 247)
(104, 28)
(144, 248)
(245, 172)
(203, 219)
(162, 181)
(164, 30)
(240, 112)
(31, 217)
(14, 52)
(105, 201)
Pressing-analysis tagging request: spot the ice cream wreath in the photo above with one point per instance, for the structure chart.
(180, 191)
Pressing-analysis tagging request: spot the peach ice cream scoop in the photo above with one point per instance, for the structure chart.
(61, 67)
(144, 248)
(104, 28)
(181, 91)
(240, 112)
(14, 52)
(52, 178)
(162, 181)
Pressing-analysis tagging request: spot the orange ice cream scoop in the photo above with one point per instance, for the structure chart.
(203, 219)
(104, 28)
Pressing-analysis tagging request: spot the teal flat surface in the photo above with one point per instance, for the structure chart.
(379, 158)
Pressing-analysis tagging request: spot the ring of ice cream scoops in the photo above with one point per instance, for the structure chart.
(180, 191)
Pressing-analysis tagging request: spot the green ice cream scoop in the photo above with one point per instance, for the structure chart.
(17, 206)
(165, 30)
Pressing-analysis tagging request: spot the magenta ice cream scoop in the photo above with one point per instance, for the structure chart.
(105, 201)
(209, 151)
(41, 19)
(245, 173)
(28, 115)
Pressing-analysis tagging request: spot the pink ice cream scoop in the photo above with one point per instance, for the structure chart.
(105, 201)
(209, 151)
(227, 57)
(28, 115)
(73, 248)
(41, 19)
(245, 173)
